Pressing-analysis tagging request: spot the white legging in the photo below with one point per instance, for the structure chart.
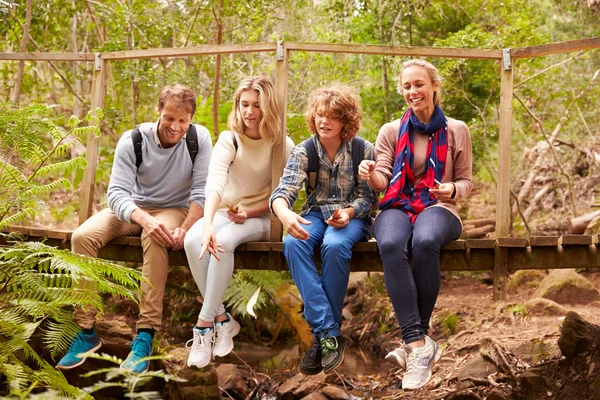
(212, 276)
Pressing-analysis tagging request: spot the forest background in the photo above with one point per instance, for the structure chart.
(556, 96)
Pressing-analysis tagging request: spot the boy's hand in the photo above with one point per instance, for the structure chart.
(291, 222)
(339, 219)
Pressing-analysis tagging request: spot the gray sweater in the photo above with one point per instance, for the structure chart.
(165, 178)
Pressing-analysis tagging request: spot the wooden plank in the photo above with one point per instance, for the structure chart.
(513, 242)
(596, 238)
(366, 247)
(189, 51)
(539, 241)
(500, 272)
(456, 245)
(88, 185)
(572, 239)
(480, 243)
(47, 56)
(482, 54)
(479, 259)
(278, 161)
(504, 154)
(60, 234)
(556, 48)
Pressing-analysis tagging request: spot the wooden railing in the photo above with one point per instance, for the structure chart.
(502, 255)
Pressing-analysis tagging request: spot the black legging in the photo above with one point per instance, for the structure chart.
(413, 292)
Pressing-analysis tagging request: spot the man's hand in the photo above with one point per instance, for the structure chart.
(209, 242)
(157, 231)
(291, 222)
(178, 238)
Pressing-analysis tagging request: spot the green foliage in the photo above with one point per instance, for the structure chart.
(33, 152)
(38, 286)
(450, 322)
(244, 284)
(129, 381)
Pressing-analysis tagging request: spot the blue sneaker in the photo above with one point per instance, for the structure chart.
(141, 347)
(82, 343)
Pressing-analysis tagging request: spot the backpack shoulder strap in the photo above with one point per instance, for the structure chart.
(191, 140)
(313, 164)
(234, 140)
(136, 139)
(358, 154)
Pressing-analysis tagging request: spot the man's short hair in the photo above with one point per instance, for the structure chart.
(181, 95)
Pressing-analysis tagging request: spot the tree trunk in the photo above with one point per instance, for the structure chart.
(479, 232)
(578, 225)
(22, 49)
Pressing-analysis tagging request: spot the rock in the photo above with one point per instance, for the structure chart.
(596, 389)
(300, 385)
(315, 396)
(576, 335)
(541, 306)
(355, 280)
(115, 335)
(531, 379)
(524, 279)
(231, 379)
(477, 367)
(497, 394)
(464, 396)
(567, 287)
(335, 393)
(537, 350)
(201, 384)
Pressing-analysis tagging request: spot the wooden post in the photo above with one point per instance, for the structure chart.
(503, 190)
(278, 162)
(91, 151)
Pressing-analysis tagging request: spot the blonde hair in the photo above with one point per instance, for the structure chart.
(433, 73)
(181, 95)
(268, 128)
(339, 102)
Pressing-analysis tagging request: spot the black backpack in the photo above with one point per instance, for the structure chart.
(191, 140)
(358, 154)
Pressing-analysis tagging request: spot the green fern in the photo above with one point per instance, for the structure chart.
(245, 282)
(33, 139)
(39, 286)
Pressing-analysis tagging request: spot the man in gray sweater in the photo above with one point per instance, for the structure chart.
(158, 193)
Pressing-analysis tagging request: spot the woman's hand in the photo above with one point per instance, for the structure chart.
(237, 216)
(209, 242)
(291, 222)
(444, 191)
(366, 169)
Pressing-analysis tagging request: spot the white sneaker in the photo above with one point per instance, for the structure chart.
(419, 363)
(398, 356)
(224, 333)
(201, 347)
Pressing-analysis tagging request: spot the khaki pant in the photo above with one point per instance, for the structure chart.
(103, 227)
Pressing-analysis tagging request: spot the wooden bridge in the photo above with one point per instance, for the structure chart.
(501, 255)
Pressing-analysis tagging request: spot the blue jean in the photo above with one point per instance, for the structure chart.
(413, 292)
(323, 295)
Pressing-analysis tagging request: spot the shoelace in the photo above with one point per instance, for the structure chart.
(328, 344)
(198, 343)
(141, 347)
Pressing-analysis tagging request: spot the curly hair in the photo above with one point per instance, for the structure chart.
(433, 73)
(181, 95)
(336, 101)
(268, 128)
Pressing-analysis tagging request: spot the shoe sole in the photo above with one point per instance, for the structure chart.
(197, 365)
(67, 367)
(234, 333)
(308, 372)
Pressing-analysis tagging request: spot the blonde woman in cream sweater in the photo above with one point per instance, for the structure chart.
(236, 210)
